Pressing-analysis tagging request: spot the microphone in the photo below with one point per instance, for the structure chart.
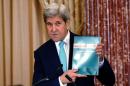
(51, 76)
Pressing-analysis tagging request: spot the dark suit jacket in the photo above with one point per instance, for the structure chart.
(47, 64)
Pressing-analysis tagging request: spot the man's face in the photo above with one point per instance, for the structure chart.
(57, 28)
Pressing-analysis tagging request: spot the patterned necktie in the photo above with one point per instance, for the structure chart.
(62, 55)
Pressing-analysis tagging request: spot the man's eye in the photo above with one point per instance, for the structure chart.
(48, 24)
(58, 23)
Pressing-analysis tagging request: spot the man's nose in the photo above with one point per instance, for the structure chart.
(53, 28)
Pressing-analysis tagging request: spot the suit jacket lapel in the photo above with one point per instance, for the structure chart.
(71, 49)
(56, 59)
(53, 57)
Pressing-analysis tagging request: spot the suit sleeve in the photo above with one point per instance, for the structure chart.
(39, 74)
(106, 75)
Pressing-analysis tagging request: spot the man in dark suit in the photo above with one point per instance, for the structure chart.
(48, 66)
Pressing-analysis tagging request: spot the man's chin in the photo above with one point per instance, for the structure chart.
(56, 40)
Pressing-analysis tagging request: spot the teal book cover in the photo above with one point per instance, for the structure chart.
(85, 58)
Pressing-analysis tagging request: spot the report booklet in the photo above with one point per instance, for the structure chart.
(85, 58)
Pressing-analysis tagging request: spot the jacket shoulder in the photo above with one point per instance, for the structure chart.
(44, 46)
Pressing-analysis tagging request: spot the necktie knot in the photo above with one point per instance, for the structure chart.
(61, 44)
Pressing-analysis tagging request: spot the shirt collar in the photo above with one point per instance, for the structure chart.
(66, 39)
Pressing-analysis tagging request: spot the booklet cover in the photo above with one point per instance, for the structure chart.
(85, 58)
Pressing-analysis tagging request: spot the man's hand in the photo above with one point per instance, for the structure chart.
(99, 50)
(70, 74)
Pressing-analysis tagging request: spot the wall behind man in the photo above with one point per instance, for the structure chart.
(16, 48)
(110, 19)
(22, 30)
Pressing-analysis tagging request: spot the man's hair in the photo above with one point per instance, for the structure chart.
(55, 9)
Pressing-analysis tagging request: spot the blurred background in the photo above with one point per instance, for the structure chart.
(22, 30)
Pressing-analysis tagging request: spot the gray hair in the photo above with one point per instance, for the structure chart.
(54, 9)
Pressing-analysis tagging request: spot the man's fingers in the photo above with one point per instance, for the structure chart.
(81, 75)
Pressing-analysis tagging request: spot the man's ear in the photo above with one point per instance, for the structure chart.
(68, 24)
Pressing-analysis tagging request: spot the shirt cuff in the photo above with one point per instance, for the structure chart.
(101, 63)
(61, 84)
